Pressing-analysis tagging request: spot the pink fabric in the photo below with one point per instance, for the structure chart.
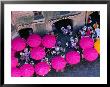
(90, 54)
(14, 62)
(37, 53)
(15, 72)
(49, 41)
(73, 57)
(86, 42)
(58, 63)
(42, 68)
(18, 44)
(27, 70)
(34, 40)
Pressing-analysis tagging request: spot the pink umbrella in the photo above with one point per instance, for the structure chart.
(14, 62)
(15, 72)
(27, 70)
(49, 41)
(18, 44)
(13, 52)
(34, 40)
(42, 68)
(58, 63)
(73, 57)
(38, 53)
(86, 42)
(90, 54)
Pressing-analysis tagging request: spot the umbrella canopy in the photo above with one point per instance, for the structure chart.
(13, 53)
(37, 53)
(42, 68)
(34, 40)
(49, 41)
(86, 42)
(90, 54)
(14, 62)
(18, 44)
(27, 70)
(73, 57)
(97, 45)
(58, 63)
(15, 72)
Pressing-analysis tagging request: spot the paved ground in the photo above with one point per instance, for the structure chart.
(83, 69)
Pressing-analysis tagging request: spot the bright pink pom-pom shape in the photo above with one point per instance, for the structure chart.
(14, 62)
(49, 41)
(27, 70)
(15, 72)
(86, 42)
(58, 63)
(18, 44)
(42, 68)
(90, 54)
(73, 57)
(37, 53)
(34, 40)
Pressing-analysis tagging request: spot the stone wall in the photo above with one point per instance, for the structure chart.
(45, 24)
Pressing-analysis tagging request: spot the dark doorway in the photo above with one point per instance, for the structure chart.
(24, 33)
(63, 23)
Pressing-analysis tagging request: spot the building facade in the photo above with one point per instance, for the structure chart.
(42, 21)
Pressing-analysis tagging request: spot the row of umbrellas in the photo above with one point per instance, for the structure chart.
(37, 52)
